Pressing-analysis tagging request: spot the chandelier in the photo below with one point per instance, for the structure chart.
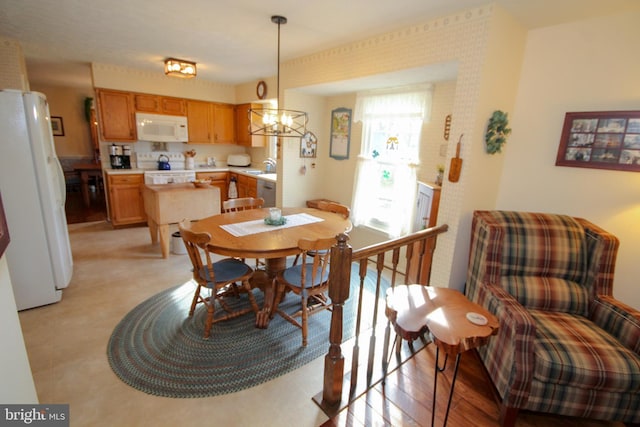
(277, 121)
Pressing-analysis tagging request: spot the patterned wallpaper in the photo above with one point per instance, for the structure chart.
(462, 38)
(13, 71)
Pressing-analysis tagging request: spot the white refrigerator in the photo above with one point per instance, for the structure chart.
(33, 192)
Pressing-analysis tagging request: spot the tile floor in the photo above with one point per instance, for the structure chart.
(114, 271)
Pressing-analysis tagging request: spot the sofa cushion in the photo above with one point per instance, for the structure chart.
(537, 244)
(570, 349)
(547, 293)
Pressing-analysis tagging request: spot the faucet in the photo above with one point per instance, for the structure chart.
(271, 165)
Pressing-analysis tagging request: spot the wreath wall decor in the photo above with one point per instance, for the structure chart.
(497, 132)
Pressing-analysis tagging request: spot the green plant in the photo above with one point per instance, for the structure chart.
(88, 103)
(497, 132)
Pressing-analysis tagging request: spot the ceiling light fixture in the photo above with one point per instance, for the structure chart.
(179, 68)
(277, 122)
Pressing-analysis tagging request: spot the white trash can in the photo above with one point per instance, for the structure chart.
(177, 245)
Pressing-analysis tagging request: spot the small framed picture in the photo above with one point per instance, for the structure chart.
(601, 140)
(308, 145)
(56, 126)
(340, 133)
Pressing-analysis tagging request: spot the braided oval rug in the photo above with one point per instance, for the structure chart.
(156, 348)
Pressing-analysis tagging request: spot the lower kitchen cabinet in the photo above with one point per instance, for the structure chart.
(218, 179)
(125, 199)
(247, 185)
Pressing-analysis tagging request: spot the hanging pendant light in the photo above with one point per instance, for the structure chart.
(277, 122)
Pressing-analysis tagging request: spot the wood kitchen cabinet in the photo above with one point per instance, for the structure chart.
(210, 123)
(146, 103)
(125, 199)
(243, 137)
(117, 117)
(218, 179)
(224, 124)
(247, 185)
(427, 211)
(200, 120)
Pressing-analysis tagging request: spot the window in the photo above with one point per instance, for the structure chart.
(385, 187)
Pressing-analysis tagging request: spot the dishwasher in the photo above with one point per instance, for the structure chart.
(267, 190)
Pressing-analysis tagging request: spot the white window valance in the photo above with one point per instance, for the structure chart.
(408, 101)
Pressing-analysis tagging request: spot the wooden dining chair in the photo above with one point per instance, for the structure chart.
(219, 277)
(334, 207)
(328, 206)
(243, 203)
(309, 280)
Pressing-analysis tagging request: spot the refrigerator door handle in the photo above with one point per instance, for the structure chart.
(61, 180)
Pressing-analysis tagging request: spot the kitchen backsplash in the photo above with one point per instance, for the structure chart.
(203, 151)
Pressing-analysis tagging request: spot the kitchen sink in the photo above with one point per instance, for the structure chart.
(254, 172)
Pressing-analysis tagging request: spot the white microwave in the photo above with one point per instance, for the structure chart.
(161, 128)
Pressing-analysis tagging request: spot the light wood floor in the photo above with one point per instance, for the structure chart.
(406, 399)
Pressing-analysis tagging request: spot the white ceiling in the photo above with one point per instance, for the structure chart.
(233, 41)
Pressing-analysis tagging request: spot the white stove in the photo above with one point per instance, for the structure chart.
(177, 174)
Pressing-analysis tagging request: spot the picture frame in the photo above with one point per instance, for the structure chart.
(57, 127)
(308, 145)
(340, 133)
(4, 230)
(601, 140)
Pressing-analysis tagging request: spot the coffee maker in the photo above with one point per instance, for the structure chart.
(120, 156)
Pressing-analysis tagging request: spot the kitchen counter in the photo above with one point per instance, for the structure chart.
(272, 177)
(167, 204)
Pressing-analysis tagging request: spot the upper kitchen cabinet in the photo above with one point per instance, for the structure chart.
(243, 137)
(159, 104)
(210, 123)
(224, 124)
(200, 118)
(117, 118)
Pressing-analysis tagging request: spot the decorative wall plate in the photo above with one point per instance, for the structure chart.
(261, 89)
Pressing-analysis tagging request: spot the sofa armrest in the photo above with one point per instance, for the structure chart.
(509, 356)
(602, 249)
(618, 319)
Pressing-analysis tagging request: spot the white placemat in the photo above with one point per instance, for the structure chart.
(258, 226)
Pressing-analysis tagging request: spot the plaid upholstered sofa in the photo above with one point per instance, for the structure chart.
(565, 345)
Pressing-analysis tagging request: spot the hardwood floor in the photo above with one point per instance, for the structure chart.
(406, 399)
(77, 212)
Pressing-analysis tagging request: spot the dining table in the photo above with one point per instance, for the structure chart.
(87, 170)
(246, 234)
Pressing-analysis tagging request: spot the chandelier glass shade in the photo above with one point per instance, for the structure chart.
(277, 121)
(179, 68)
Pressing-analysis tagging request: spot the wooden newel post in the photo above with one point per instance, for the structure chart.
(339, 279)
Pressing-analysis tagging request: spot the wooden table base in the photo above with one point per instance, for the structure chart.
(265, 281)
